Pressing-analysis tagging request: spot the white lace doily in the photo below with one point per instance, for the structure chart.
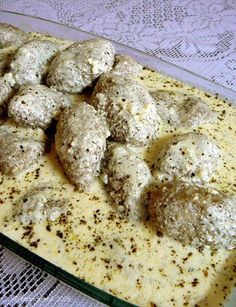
(24, 285)
(199, 35)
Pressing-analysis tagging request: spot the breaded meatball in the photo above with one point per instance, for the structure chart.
(81, 143)
(180, 110)
(194, 215)
(29, 64)
(128, 108)
(10, 35)
(126, 178)
(40, 204)
(36, 105)
(6, 92)
(18, 151)
(76, 67)
(126, 66)
(192, 156)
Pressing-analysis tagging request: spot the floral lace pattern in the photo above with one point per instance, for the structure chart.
(195, 34)
(24, 285)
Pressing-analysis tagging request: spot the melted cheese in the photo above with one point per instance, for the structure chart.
(125, 258)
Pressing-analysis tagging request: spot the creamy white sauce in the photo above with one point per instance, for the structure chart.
(122, 257)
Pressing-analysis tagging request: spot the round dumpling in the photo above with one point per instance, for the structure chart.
(126, 179)
(191, 156)
(30, 62)
(35, 105)
(128, 108)
(76, 67)
(193, 214)
(39, 204)
(10, 35)
(180, 110)
(81, 143)
(126, 66)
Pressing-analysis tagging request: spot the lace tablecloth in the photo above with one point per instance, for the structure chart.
(195, 34)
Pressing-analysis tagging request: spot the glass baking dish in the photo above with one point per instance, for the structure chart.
(33, 24)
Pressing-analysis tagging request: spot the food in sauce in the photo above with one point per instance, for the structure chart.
(191, 155)
(76, 67)
(6, 57)
(36, 105)
(88, 236)
(81, 143)
(10, 35)
(40, 204)
(128, 108)
(126, 178)
(125, 65)
(18, 151)
(6, 91)
(29, 64)
(194, 214)
(181, 110)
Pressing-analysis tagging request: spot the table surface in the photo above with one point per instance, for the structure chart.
(194, 34)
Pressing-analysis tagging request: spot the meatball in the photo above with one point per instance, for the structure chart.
(126, 66)
(179, 110)
(194, 215)
(76, 67)
(18, 151)
(10, 35)
(126, 178)
(6, 92)
(40, 204)
(128, 108)
(81, 143)
(36, 105)
(192, 156)
(29, 64)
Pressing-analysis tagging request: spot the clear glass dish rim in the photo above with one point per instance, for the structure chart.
(161, 66)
